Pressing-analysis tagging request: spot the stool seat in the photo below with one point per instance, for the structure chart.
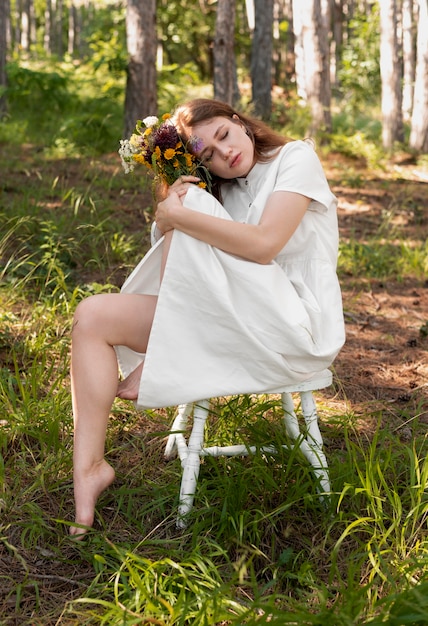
(190, 450)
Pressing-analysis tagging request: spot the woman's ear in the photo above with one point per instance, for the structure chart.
(238, 120)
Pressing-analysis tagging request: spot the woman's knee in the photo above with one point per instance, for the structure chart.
(88, 314)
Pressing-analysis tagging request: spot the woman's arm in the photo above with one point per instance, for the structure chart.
(256, 242)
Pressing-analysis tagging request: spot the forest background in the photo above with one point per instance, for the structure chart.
(75, 76)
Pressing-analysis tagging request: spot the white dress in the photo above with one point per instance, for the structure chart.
(224, 325)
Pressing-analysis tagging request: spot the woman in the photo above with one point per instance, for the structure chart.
(237, 296)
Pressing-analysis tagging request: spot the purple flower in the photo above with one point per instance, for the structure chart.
(196, 144)
(166, 136)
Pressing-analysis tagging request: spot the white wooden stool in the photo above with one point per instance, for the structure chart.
(191, 450)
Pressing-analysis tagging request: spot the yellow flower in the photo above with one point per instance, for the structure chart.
(169, 154)
(148, 131)
(189, 159)
(166, 116)
(139, 158)
(158, 153)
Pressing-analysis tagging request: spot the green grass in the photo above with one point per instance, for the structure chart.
(260, 549)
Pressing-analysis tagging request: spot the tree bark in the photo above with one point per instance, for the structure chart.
(26, 25)
(314, 64)
(71, 39)
(419, 127)
(47, 26)
(391, 74)
(141, 89)
(225, 83)
(408, 58)
(261, 59)
(337, 39)
(4, 19)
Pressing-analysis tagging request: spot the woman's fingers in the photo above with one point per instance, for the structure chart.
(185, 179)
(182, 184)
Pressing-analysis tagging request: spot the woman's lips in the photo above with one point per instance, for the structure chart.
(235, 161)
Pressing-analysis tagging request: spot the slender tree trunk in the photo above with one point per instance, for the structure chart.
(408, 58)
(314, 61)
(4, 18)
(225, 83)
(47, 35)
(337, 39)
(299, 55)
(17, 24)
(26, 25)
(60, 17)
(419, 130)
(261, 59)
(390, 71)
(71, 39)
(141, 89)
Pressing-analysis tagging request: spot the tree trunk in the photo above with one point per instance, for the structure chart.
(71, 43)
(57, 11)
(299, 56)
(225, 83)
(141, 89)
(408, 58)
(26, 25)
(314, 61)
(390, 72)
(47, 34)
(4, 19)
(419, 130)
(261, 59)
(337, 39)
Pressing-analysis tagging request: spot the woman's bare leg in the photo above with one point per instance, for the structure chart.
(100, 322)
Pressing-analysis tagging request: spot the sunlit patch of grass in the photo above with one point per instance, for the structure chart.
(378, 258)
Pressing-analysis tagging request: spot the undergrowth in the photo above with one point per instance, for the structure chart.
(260, 547)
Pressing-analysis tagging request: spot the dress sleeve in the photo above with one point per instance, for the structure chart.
(300, 171)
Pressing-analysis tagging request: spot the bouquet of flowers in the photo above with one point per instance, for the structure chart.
(156, 144)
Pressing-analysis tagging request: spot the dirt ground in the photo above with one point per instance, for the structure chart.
(384, 361)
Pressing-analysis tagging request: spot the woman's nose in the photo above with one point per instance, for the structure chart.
(225, 152)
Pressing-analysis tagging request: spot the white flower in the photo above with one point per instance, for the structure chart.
(125, 152)
(150, 121)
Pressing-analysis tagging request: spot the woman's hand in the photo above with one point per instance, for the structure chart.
(182, 184)
(171, 202)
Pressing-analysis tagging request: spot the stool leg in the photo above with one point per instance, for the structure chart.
(192, 463)
(317, 458)
(176, 441)
(310, 447)
(315, 442)
(290, 418)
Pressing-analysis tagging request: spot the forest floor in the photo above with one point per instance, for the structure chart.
(382, 371)
(384, 363)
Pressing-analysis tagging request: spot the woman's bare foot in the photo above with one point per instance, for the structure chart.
(128, 388)
(87, 488)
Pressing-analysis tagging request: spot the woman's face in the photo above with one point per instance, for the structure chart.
(227, 150)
